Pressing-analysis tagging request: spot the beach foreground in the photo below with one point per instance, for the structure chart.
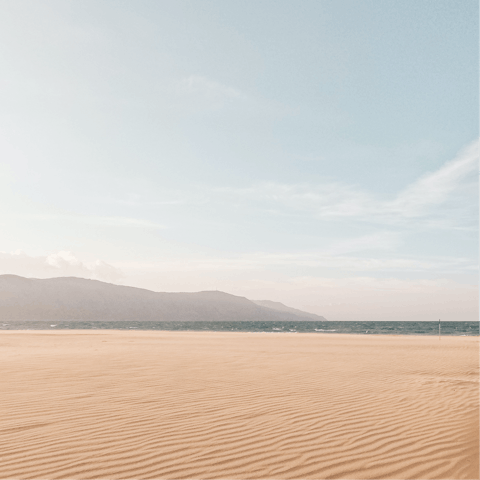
(137, 404)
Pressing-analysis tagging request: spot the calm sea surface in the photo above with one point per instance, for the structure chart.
(359, 328)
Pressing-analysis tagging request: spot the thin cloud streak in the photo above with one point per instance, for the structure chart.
(197, 93)
(200, 85)
(262, 261)
(101, 221)
(436, 188)
(442, 199)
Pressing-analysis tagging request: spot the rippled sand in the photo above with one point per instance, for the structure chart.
(124, 405)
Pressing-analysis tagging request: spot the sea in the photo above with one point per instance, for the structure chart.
(324, 328)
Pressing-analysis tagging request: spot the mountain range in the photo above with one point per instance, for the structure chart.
(72, 298)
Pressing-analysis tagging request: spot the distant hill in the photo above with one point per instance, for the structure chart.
(71, 298)
(280, 307)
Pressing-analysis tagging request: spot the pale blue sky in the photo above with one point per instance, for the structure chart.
(319, 153)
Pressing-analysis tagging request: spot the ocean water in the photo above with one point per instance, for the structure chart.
(358, 328)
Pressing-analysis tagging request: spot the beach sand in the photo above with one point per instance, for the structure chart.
(134, 404)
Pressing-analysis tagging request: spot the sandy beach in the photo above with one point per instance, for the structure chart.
(135, 405)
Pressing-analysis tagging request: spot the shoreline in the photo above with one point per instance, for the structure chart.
(120, 330)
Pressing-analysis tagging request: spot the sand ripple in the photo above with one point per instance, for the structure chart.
(124, 405)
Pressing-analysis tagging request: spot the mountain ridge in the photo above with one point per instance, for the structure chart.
(284, 308)
(73, 298)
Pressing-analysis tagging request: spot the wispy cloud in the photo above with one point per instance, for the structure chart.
(58, 264)
(198, 93)
(449, 188)
(444, 198)
(325, 200)
(101, 221)
(313, 260)
(383, 241)
(200, 85)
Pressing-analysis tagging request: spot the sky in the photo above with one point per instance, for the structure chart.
(321, 153)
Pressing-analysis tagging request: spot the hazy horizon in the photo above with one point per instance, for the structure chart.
(321, 154)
